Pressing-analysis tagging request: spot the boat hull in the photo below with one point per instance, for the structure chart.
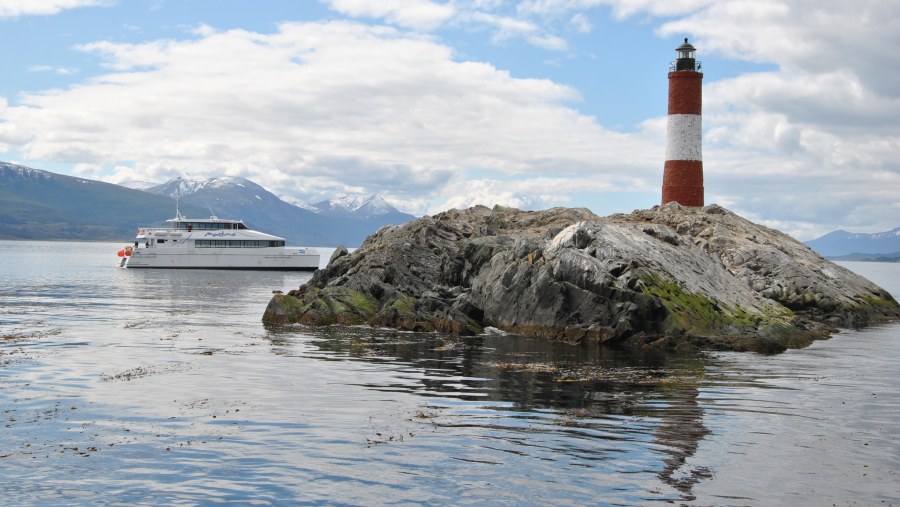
(280, 259)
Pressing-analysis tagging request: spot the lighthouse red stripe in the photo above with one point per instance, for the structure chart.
(685, 92)
(683, 182)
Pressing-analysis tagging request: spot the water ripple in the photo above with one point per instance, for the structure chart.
(146, 388)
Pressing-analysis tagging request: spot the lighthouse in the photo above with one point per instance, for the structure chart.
(683, 170)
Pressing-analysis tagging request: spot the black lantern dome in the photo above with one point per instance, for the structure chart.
(685, 57)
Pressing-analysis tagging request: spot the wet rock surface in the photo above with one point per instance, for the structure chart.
(670, 276)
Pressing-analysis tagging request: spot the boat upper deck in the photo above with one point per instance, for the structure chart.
(205, 224)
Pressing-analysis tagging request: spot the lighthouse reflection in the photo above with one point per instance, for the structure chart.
(517, 401)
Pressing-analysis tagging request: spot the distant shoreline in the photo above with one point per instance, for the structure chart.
(854, 258)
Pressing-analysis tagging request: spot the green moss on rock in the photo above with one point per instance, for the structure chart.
(691, 313)
(336, 305)
(404, 304)
(701, 315)
(878, 302)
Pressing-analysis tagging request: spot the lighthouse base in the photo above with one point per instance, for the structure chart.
(683, 182)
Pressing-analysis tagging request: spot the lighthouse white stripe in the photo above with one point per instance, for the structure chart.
(683, 137)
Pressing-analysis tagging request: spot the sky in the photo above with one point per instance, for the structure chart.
(438, 104)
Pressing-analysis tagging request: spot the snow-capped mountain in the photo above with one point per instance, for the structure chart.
(137, 185)
(359, 206)
(345, 222)
(299, 203)
(8, 170)
(186, 186)
(44, 205)
(891, 235)
(840, 243)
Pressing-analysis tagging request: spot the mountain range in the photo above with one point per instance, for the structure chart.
(843, 245)
(346, 220)
(37, 204)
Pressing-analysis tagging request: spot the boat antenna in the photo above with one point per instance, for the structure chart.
(178, 204)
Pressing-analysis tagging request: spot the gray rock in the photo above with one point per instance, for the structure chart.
(683, 277)
(338, 253)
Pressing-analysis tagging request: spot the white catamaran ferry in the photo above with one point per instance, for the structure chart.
(213, 243)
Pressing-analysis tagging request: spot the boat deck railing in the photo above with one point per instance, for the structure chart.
(145, 230)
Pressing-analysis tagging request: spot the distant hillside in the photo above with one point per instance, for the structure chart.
(891, 257)
(36, 204)
(843, 243)
(344, 221)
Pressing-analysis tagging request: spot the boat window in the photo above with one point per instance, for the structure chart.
(215, 226)
(236, 243)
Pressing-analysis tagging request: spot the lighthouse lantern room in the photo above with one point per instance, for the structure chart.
(685, 57)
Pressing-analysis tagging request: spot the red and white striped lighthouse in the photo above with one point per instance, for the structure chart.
(683, 171)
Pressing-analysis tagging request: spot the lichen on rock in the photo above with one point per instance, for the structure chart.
(674, 276)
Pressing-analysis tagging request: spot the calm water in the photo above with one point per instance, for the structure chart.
(126, 387)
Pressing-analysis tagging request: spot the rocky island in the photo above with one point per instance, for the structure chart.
(671, 276)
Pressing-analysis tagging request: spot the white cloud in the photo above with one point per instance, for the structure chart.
(580, 23)
(16, 8)
(530, 193)
(548, 41)
(92, 171)
(468, 193)
(63, 71)
(415, 14)
(425, 15)
(314, 109)
(507, 28)
(621, 8)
